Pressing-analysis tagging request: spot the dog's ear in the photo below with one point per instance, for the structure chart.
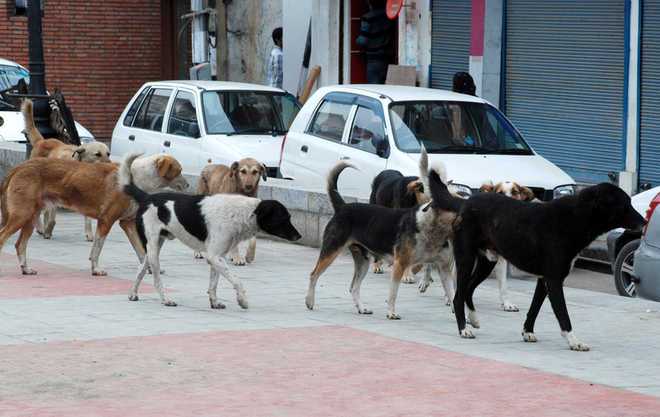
(233, 169)
(264, 172)
(415, 187)
(487, 187)
(78, 153)
(528, 195)
(168, 167)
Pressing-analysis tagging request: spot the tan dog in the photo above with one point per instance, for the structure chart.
(90, 189)
(518, 192)
(55, 148)
(241, 178)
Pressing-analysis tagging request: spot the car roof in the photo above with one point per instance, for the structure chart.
(217, 85)
(403, 93)
(10, 63)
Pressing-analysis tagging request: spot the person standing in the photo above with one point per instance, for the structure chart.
(376, 40)
(274, 69)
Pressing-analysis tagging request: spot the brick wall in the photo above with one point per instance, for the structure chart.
(97, 52)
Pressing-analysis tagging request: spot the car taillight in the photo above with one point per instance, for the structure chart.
(282, 150)
(652, 205)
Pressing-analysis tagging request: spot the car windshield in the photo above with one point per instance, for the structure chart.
(248, 112)
(9, 76)
(454, 127)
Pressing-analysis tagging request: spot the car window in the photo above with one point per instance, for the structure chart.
(183, 117)
(130, 115)
(151, 113)
(330, 120)
(368, 132)
(10, 75)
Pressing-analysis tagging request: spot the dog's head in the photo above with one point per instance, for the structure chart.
(169, 172)
(92, 152)
(610, 207)
(510, 189)
(248, 172)
(273, 218)
(416, 188)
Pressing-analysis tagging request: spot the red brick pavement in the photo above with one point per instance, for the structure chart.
(320, 371)
(56, 281)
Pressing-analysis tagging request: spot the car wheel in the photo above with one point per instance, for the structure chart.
(624, 276)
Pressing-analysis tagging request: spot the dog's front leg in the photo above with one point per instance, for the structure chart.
(213, 287)
(398, 270)
(428, 279)
(409, 275)
(501, 273)
(102, 230)
(251, 250)
(221, 266)
(21, 248)
(537, 301)
(49, 218)
(447, 278)
(558, 302)
(38, 223)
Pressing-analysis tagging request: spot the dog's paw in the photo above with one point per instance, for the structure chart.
(133, 297)
(508, 306)
(150, 272)
(466, 334)
(579, 347)
(393, 316)
(169, 303)
(238, 260)
(448, 302)
(473, 320)
(217, 305)
(249, 258)
(364, 310)
(529, 337)
(408, 279)
(242, 301)
(424, 285)
(309, 302)
(198, 255)
(378, 269)
(99, 273)
(47, 236)
(28, 271)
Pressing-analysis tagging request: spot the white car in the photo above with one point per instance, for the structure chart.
(379, 127)
(11, 120)
(203, 122)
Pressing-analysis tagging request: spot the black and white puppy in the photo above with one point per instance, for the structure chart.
(542, 239)
(212, 225)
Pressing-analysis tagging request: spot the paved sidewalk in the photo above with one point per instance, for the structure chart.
(72, 344)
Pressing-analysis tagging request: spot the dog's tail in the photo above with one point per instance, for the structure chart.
(442, 198)
(334, 196)
(126, 179)
(33, 134)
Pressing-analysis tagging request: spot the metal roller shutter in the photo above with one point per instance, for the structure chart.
(564, 82)
(649, 130)
(450, 40)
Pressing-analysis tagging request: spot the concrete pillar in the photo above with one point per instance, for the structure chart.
(491, 72)
(325, 40)
(628, 178)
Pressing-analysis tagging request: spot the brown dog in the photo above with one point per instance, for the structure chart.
(241, 178)
(54, 148)
(90, 189)
(510, 189)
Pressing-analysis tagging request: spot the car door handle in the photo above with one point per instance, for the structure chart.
(131, 137)
(304, 148)
(344, 158)
(167, 143)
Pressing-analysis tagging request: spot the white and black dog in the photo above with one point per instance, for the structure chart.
(212, 225)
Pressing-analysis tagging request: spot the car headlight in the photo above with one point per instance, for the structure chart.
(86, 139)
(460, 189)
(563, 190)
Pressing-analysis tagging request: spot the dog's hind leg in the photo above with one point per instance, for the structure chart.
(153, 255)
(334, 239)
(21, 248)
(213, 287)
(219, 263)
(235, 255)
(465, 256)
(556, 295)
(537, 301)
(447, 278)
(50, 213)
(39, 225)
(89, 233)
(14, 222)
(501, 273)
(144, 265)
(398, 269)
(378, 266)
(428, 279)
(482, 270)
(361, 265)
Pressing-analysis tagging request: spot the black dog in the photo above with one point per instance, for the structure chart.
(542, 239)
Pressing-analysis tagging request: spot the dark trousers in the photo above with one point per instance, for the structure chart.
(376, 71)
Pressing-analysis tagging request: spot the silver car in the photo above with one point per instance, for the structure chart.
(647, 256)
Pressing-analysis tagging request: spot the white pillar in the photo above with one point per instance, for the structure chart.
(628, 178)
